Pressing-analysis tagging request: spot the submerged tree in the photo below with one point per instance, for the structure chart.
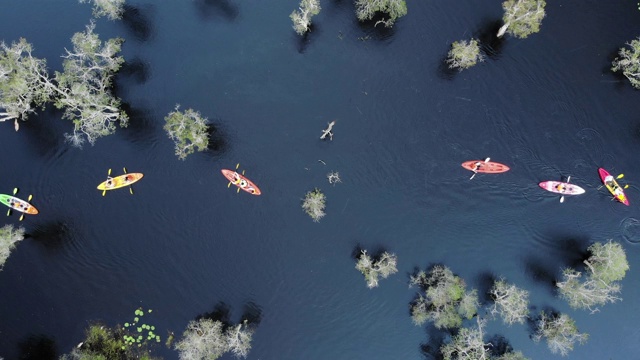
(313, 204)
(464, 55)
(468, 344)
(560, 332)
(9, 236)
(113, 9)
(206, 339)
(83, 89)
(522, 17)
(188, 130)
(606, 265)
(302, 17)
(23, 82)
(511, 302)
(629, 62)
(384, 266)
(366, 9)
(445, 301)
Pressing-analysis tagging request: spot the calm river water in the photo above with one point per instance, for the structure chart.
(184, 244)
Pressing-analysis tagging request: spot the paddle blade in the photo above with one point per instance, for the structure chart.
(9, 212)
(130, 190)
(229, 185)
(109, 172)
(471, 178)
(626, 186)
(242, 172)
(487, 160)
(15, 191)
(237, 166)
(104, 192)
(21, 217)
(620, 176)
(30, 197)
(238, 191)
(562, 199)
(568, 178)
(124, 169)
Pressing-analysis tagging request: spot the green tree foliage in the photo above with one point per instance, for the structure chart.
(560, 332)
(629, 62)
(207, 339)
(384, 266)
(608, 261)
(464, 55)
(512, 356)
(606, 265)
(445, 300)
(23, 81)
(104, 343)
(188, 130)
(366, 9)
(302, 17)
(468, 344)
(113, 9)
(511, 302)
(522, 17)
(313, 204)
(84, 87)
(9, 236)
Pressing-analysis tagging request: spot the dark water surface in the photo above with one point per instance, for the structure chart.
(185, 245)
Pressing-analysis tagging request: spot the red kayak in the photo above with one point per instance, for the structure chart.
(481, 166)
(610, 182)
(241, 181)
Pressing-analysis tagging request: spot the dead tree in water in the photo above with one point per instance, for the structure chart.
(327, 131)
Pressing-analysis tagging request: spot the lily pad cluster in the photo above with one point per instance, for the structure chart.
(142, 333)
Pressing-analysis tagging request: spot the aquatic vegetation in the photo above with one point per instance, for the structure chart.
(560, 332)
(302, 17)
(629, 62)
(445, 300)
(384, 266)
(522, 17)
(142, 332)
(9, 236)
(207, 339)
(511, 302)
(188, 130)
(102, 342)
(313, 204)
(464, 55)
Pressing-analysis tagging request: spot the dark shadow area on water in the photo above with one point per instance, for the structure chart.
(303, 41)
(46, 130)
(252, 312)
(490, 44)
(218, 143)
(499, 345)
(485, 282)
(221, 312)
(380, 33)
(52, 236)
(435, 339)
(445, 72)
(37, 347)
(570, 252)
(211, 9)
(137, 22)
(141, 125)
(135, 69)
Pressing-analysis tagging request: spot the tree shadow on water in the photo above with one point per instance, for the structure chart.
(52, 236)
(138, 23)
(135, 69)
(445, 72)
(209, 9)
(46, 130)
(141, 126)
(490, 43)
(537, 271)
(221, 312)
(303, 41)
(380, 33)
(252, 312)
(435, 339)
(37, 347)
(485, 283)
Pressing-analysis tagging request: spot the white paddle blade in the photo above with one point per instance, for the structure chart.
(487, 160)
(562, 199)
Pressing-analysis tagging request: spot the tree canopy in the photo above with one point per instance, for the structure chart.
(9, 236)
(629, 62)
(207, 339)
(302, 17)
(522, 17)
(464, 54)
(384, 266)
(23, 80)
(366, 9)
(112, 9)
(188, 130)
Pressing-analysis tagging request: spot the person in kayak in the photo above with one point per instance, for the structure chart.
(561, 188)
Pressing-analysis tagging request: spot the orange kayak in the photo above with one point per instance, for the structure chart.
(489, 167)
(241, 181)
